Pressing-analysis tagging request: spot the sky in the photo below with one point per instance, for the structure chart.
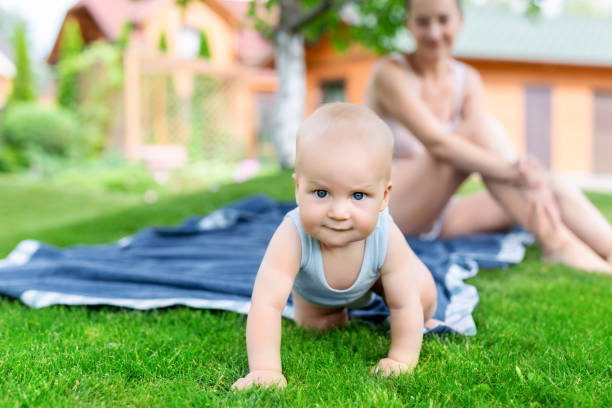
(43, 18)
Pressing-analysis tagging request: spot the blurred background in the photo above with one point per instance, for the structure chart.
(153, 97)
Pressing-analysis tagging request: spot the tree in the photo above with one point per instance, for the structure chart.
(71, 45)
(376, 26)
(23, 83)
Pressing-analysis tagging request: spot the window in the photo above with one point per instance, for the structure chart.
(188, 43)
(332, 91)
(538, 122)
(602, 137)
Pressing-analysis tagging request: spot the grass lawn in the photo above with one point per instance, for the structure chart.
(544, 332)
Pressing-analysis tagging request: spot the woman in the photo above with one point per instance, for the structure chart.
(434, 105)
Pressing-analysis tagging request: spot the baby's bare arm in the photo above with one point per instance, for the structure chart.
(398, 276)
(270, 293)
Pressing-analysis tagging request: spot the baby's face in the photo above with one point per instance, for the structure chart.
(340, 189)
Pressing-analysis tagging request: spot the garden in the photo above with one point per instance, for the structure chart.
(543, 330)
(543, 338)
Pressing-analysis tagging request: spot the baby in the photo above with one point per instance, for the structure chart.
(338, 246)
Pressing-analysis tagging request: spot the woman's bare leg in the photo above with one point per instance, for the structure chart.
(422, 187)
(581, 216)
(416, 203)
(559, 244)
(473, 214)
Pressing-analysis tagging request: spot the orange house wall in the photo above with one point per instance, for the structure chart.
(572, 90)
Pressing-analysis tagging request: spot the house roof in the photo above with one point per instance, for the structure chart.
(111, 15)
(497, 35)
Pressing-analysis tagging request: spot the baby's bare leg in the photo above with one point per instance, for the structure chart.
(318, 317)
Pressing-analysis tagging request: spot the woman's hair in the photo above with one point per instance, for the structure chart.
(408, 4)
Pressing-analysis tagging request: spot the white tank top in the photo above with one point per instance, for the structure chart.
(311, 284)
(405, 144)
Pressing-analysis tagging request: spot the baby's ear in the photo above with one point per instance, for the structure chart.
(385, 200)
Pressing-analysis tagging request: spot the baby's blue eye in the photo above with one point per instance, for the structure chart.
(321, 193)
(358, 196)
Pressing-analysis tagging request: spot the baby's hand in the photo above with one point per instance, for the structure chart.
(264, 378)
(388, 366)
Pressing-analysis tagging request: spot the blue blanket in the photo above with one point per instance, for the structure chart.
(211, 262)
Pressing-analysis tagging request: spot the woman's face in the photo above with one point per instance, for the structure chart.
(434, 25)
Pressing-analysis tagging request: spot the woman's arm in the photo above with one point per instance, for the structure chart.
(394, 94)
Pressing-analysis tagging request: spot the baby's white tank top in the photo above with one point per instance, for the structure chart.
(310, 283)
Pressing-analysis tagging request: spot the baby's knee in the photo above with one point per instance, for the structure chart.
(323, 322)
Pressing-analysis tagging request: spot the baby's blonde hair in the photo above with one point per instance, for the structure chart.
(366, 128)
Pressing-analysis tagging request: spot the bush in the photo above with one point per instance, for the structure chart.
(98, 73)
(28, 130)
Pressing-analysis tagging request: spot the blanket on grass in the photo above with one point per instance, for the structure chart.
(211, 262)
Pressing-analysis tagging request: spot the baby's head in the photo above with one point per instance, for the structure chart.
(342, 172)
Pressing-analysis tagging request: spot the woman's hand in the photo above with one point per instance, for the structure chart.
(387, 367)
(544, 213)
(530, 173)
(263, 378)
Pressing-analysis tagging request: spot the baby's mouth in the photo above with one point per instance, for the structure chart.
(337, 229)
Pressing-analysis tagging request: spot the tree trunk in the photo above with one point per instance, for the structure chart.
(291, 94)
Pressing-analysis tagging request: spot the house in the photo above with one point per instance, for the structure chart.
(548, 81)
(164, 41)
(7, 72)
(230, 40)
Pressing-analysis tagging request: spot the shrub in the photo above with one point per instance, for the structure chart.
(11, 159)
(28, 130)
(98, 73)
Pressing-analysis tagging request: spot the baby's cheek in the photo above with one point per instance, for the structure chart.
(369, 224)
(309, 223)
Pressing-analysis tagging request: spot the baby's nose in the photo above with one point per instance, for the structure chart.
(339, 210)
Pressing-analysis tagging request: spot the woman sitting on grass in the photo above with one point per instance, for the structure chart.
(443, 133)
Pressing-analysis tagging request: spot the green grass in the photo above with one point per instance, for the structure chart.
(544, 333)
